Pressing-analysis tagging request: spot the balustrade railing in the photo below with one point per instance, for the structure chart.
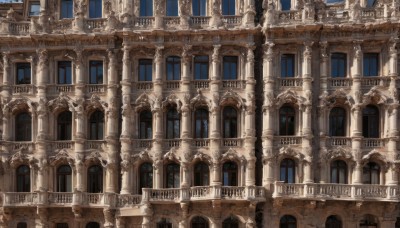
(172, 84)
(128, 200)
(200, 21)
(19, 28)
(60, 197)
(288, 140)
(94, 198)
(367, 81)
(62, 25)
(232, 142)
(340, 82)
(25, 89)
(142, 143)
(144, 21)
(234, 84)
(338, 141)
(60, 88)
(95, 23)
(171, 21)
(95, 144)
(144, 85)
(30, 146)
(201, 142)
(228, 192)
(96, 88)
(373, 142)
(290, 82)
(201, 84)
(20, 198)
(289, 16)
(232, 20)
(284, 189)
(168, 143)
(170, 194)
(370, 191)
(63, 144)
(200, 192)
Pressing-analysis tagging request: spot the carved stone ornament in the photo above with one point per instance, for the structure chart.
(17, 105)
(231, 97)
(338, 152)
(172, 155)
(200, 100)
(142, 156)
(339, 96)
(288, 96)
(232, 155)
(375, 155)
(202, 157)
(95, 156)
(172, 99)
(62, 102)
(290, 151)
(143, 102)
(19, 158)
(95, 102)
(374, 95)
(62, 156)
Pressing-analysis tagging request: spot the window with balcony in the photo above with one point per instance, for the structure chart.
(230, 174)
(338, 65)
(172, 8)
(339, 172)
(371, 3)
(173, 124)
(64, 126)
(34, 9)
(337, 122)
(230, 125)
(95, 179)
(370, 122)
(287, 66)
(23, 73)
(370, 64)
(146, 8)
(22, 225)
(230, 67)
(92, 225)
(96, 126)
(371, 173)
(64, 72)
(201, 123)
(66, 9)
(231, 222)
(199, 7)
(288, 221)
(145, 125)
(199, 222)
(64, 179)
(95, 8)
(23, 127)
(333, 221)
(201, 67)
(228, 7)
(201, 174)
(286, 120)
(286, 5)
(23, 178)
(287, 171)
(173, 68)
(146, 176)
(96, 72)
(145, 70)
(164, 223)
(172, 175)
(61, 225)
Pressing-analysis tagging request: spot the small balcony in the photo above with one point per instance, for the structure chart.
(144, 86)
(232, 142)
(368, 143)
(63, 144)
(142, 143)
(287, 140)
(60, 88)
(172, 22)
(232, 21)
(18, 145)
(201, 84)
(338, 141)
(290, 82)
(336, 83)
(169, 143)
(233, 84)
(144, 22)
(200, 143)
(95, 24)
(23, 89)
(95, 144)
(368, 82)
(91, 88)
(199, 21)
(172, 85)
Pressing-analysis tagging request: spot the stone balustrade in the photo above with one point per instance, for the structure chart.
(60, 88)
(143, 85)
(172, 85)
(338, 141)
(94, 24)
(95, 144)
(374, 81)
(232, 21)
(96, 88)
(199, 143)
(290, 82)
(199, 22)
(142, 143)
(168, 143)
(233, 84)
(201, 84)
(335, 83)
(287, 140)
(23, 89)
(63, 144)
(232, 142)
(144, 22)
(373, 142)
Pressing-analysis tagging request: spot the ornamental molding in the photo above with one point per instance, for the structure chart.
(95, 103)
(288, 97)
(172, 155)
(61, 157)
(144, 155)
(173, 100)
(62, 102)
(19, 104)
(144, 101)
(94, 157)
(375, 155)
(339, 96)
(290, 152)
(232, 155)
(200, 100)
(339, 152)
(231, 97)
(375, 96)
(200, 156)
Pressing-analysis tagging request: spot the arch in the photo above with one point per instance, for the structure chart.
(145, 124)
(95, 179)
(230, 222)
(371, 173)
(231, 98)
(96, 125)
(337, 122)
(201, 119)
(173, 124)
(164, 223)
(370, 121)
(145, 176)
(287, 170)
(369, 221)
(287, 120)
(23, 127)
(23, 174)
(92, 225)
(172, 175)
(64, 178)
(64, 126)
(230, 173)
(22, 225)
(333, 221)
(230, 122)
(339, 172)
(288, 221)
(199, 222)
(201, 174)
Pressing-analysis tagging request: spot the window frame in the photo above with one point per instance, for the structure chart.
(168, 10)
(24, 177)
(146, 177)
(202, 6)
(199, 222)
(26, 67)
(369, 170)
(23, 128)
(204, 128)
(288, 116)
(284, 68)
(201, 176)
(148, 11)
(98, 71)
(96, 120)
(145, 124)
(33, 13)
(336, 58)
(64, 65)
(284, 8)
(334, 130)
(230, 60)
(228, 11)
(64, 126)
(146, 65)
(176, 175)
(63, 185)
(230, 173)
(198, 62)
(287, 168)
(98, 11)
(287, 222)
(369, 121)
(69, 13)
(172, 60)
(233, 123)
(370, 56)
(173, 120)
(339, 166)
(95, 179)
(333, 221)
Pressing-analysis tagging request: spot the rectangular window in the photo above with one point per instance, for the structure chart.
(230, 67)
(371, 64)
(199, 7)
(287, 66)
(23, 73)
(64, 72)
(172, 8)
(173, 68)
(201, 67)
(95, 8)
(66, 9)
(228, 7)
(62, 225)
(96, 72)
(286, 4)
(34, 8)
(338, 65)
(146, 8)
(145, 70)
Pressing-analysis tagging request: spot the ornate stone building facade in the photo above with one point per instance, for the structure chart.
(202, 113)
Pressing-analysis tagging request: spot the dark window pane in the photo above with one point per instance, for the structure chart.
(64, 72)
(199, 222)
(230, 222)
(164, 224)
(23, 127)
(66, 9)
(199, 7)
(337, 122)
(371, 173)
(96, 126)
(173, 124)
(371, 3)
(23, 179)
(95, 8)
(230, 122)
(287, 171)
(228, 7)
(201, 123)
(23, 73)
(201, 67)
(95, 179)
(145, 125)
(371, 64)
(229, 174)
(34, 9)
(339, 172)
(288, 221)
(201, 174)
(146, 8)
(286, 121)
(145, 69)
(64, 179)
(172, 175)
(230, 67)
(286, 4)
(333, 1)
(333, 222)
(370, 122)
(338, 65)
(287, 66)
(64, 126)
(96, 72)
(173, 68)
(22, 225)
(146, 176)
(172, 7)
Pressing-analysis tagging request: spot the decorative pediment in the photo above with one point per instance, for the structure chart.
(95, 156)
(19, 104)
(62, 102)
(339, 152)
(288, 96)
(142, 156)
(339, 96)
(232, 155)
(374, 155)
(171, 155)
(173, 100)
(231, 97)
(62, 156)
(200, 100)
(202, 157)
(95, 103)
(19, 158)
(289, 151)
(144, 102)
(374, 96)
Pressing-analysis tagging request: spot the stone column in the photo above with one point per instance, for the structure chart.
(159, 13)
(186, 124)
(250, 171)
(79, 74)
(186, 62)
(216, 169)
(358, 170)
(185, 174)
(126, 167)
(268, 172)
(184, 13)
(249, 13)
(109, 217)
(214, 87)
(159, 71)
(6, 77)
(79, 172)
(120, 222)
(215, 21)
(157, 166)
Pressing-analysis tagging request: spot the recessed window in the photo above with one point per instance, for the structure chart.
(371, 3)
(333, 221)
(230, 67)
(64, 126)
(201, 123)
(146, 8)
(95, 179)
(173, 124)
(286, 5)
(23, 73)
(201, 174)
(338, 65)
(371, 64)
(95, 8)
(371, 173)
(64, 72)
(288, 221)
(23, 179)
(96, 72)
(286, 120)
(66, 9)
(34, 8)
(230, 222)
(228, 7)
(199, 222)
(337, 122)
(172, 8)
(287, 171)
(145, 69)
(96, 126)
(172, 175)
(230, 122)
(22, 225)
(199, 7)
(201, 67)
(64, 179)
(62, 225)
(287, 66)
(230, 174)
(370, 122)
(334, 1)
(92, 225)
(173, 68)
(339, 172)
(23, 127)
(164, 224)
(146, 176)
(146, 125)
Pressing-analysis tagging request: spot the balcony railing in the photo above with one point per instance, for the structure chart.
(60, 88)
(198, 21)
(201, 84)
(96, 88)
(232, 21)
(19, 28)
(128, 200)
(171, 21)
(95, 144)
(373, 142)
(23, 89)
(233, 84)
(374, 81)
(338, 141)
(288, 140)
(170, 194)
(290, 82)
(339, 82)
(168, 143)
(228, 192)
(232, 142)
(142, 143)
(63, 144)
(144, 22)
(288, 17)
(60, 197)
(20, 198)
(62, 25)
(144, 85)
(30, 146)
(200, 142)
(200, 192)
(95, 24)
(172, 85)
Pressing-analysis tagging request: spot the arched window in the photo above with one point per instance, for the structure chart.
(286, 5)
(201, 123)
(230, 222)
(146, 8)
(146, 176)
(172, 8)
(96, 126)
(199, 222)
(370, 122)
(164, 223)
(173, 124)
(64, 126)
(230, 122)
(146, 125)
(397, 225)
(286, 120)
(228, 7)
(64, 179)
(333, 221)
(339, 172)
(201, 174)
(288, 221)
(23, 127)
(337, 122)
(199, 7)
(371, 173)
(173, 68)
(287, 171)
(369, 221)
(22, 225)
(95, 179)
(172, 175)
(92, 225)
(23, 179)
(230, 174)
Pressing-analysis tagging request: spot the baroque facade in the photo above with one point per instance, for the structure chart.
(202, 113)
